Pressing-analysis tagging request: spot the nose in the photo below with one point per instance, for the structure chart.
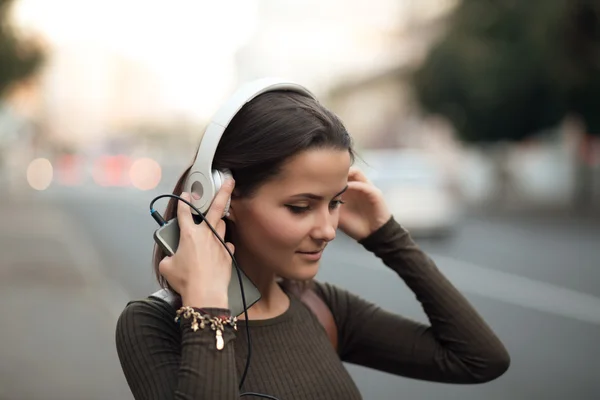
(325, 227)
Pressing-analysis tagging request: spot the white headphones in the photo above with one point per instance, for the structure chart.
(202, 180)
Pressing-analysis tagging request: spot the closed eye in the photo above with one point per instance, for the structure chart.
(336, 204)
(302, 209)
(297, 209)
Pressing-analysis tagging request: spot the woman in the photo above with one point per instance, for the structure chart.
(291, 160)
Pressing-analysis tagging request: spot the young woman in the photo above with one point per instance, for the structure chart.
(294, 187)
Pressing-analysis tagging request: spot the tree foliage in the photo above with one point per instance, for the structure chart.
(19, 58)
(507, 69)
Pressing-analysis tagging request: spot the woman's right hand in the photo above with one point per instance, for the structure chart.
(200, 269)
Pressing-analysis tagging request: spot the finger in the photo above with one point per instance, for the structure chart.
(362, 187)
(184, 215)
(220, 228)
(164, 266)
(355, 174)
(217, 208)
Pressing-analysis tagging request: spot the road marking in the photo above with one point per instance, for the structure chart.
(514, 289)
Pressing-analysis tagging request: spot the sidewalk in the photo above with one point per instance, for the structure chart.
(59, 312)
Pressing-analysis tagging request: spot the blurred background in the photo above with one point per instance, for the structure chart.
(480, 121)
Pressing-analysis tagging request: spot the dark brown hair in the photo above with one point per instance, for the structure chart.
(264, 134)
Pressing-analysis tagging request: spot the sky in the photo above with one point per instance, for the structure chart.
(189, 43)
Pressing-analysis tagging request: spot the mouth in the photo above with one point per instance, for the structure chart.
(311, 251)
(311, 256)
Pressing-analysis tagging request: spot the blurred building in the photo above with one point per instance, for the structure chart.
(381, 104)
(104, 78)
(349, 53)
(90, 91)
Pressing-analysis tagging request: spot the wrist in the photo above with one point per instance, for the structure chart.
(205, 300)
(205, 303)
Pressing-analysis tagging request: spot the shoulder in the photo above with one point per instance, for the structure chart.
(340, 301)
(334, 295)
(143, 318)
(148, 308)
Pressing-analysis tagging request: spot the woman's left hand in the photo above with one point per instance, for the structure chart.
(364, 209)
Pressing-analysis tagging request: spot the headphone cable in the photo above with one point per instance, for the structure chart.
(161, 221)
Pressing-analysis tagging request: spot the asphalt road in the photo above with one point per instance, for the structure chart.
(536, 281)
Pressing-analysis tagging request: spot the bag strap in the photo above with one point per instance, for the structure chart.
(320, 309)
(307, 296)
(169, 297)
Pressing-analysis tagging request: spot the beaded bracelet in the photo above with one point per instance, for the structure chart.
(216, 323)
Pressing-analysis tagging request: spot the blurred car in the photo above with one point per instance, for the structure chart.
(417, 190)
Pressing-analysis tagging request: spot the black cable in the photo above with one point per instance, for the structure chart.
(161, 221)
(154, 214)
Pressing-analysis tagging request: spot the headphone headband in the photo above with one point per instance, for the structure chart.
(201, 178)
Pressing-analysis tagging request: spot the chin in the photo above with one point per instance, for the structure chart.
(302, 272)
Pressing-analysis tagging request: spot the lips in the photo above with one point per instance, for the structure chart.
(311, 252)
(310, 256)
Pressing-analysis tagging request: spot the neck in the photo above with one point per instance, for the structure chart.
(273, 301)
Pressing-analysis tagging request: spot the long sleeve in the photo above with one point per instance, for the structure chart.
(457, 347)
(163, 360)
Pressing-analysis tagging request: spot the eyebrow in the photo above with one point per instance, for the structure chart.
(316, 196)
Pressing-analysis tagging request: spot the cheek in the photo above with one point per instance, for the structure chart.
(277, 230)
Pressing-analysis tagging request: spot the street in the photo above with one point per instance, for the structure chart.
(72, 258)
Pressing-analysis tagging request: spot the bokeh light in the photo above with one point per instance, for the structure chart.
(40, 174)
(145, 174)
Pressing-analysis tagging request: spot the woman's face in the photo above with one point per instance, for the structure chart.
(287, 223)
